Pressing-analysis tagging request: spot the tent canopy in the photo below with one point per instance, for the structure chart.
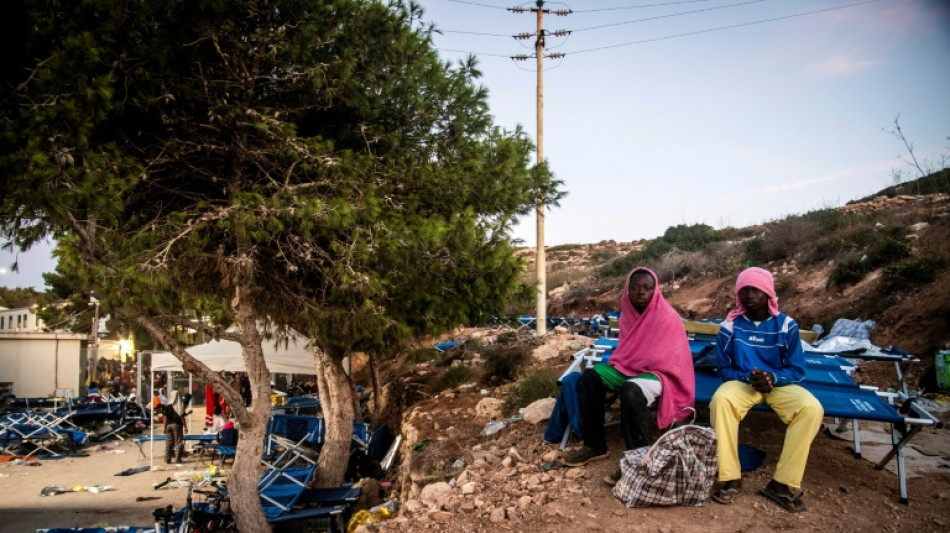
(294, 356)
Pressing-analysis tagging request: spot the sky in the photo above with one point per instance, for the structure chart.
(726, 113)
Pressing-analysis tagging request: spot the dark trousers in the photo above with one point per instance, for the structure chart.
(634, 413)
(174, 442)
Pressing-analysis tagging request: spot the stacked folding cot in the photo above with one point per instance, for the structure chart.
(32, 432)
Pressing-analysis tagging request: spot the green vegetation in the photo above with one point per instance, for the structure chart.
(531, 387)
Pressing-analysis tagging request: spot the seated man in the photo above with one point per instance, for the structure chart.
(652, 361)
(760, 360)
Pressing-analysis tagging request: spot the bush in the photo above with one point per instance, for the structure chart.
(531, 387)
(690, 238)
(830, 219)
(503, 363)
(455, 376)
(908, 275)
(676, 264)
(845, 240)
(725, 258)
(782, 238)
(422, 355)
(848, 272)
(785, 286)
(887, 250)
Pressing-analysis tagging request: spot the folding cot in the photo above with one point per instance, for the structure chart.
(44, 432)
(286, 498)
(827, 377)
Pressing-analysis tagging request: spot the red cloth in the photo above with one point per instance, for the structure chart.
(656, 342)
(209, 406)
(758, 278)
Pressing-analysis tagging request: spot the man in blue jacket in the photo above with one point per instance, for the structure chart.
(760, 360)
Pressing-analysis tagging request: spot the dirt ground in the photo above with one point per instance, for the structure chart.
(129, 503)
(842, 492)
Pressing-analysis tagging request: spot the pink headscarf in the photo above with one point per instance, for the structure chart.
(656, 342)
(228, 425)
(757, 278)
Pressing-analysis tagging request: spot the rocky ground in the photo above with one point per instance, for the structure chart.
(461, 480)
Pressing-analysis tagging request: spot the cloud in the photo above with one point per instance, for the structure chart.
(844, 64)
(870, 169)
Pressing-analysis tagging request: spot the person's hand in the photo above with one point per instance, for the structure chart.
(761, 381)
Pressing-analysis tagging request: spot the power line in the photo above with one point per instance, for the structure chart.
(668, 37)
(658, 17)
(477, 4)
(639, 6)
(720, 28)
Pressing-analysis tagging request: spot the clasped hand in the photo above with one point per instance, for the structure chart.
(761, 381)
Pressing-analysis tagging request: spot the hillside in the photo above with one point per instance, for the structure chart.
(914, 315)
(885, 258)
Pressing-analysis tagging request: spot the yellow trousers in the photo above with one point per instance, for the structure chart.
(797, 408)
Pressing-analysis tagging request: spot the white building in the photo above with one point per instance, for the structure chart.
(39, 364)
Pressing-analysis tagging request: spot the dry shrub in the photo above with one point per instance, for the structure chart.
(725, 258)
(676, 264)
(783, 237)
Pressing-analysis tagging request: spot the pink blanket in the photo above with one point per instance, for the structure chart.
(656, 342)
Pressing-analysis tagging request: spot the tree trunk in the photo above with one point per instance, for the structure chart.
(336, 397)
(242, 484)
(379, 404)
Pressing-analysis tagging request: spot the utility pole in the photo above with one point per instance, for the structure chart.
(540, 259)
(94, 344)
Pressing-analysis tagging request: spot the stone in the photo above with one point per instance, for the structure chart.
(575, 473)
(469, 488)
(497, 515)
(539, 410)
(440, 517)
(488, 408)
(434, 494)
(524, 502)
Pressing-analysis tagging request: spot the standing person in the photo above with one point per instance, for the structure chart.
(174, 428)
(245, 388)
(652, 362)
(760, 360)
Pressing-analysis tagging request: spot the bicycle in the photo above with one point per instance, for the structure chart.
(196, 517)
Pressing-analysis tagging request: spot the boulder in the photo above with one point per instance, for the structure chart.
(489, 408)
(539, 410)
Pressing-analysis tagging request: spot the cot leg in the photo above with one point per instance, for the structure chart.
(898, 450)
(857, 438)
(567, 435)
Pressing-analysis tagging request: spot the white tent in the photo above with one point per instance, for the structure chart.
(293, 356)
(285, 357)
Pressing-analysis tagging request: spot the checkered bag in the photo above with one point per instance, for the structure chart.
(679, 469)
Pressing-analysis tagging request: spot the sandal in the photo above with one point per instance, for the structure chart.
(785, 498)
(727, 491)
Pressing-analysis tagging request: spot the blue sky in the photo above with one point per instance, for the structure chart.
(732, 126)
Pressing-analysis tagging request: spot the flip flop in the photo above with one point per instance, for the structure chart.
(725, 494)
(791, 502)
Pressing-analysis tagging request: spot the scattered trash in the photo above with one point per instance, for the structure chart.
(130, 471)
(483, 392)
(95, 489)
(4, 475)
(421, 445)
(493, 427)
(147, 498)
(26, 463)
(375, 515)
(552, 465)
(459, 463)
